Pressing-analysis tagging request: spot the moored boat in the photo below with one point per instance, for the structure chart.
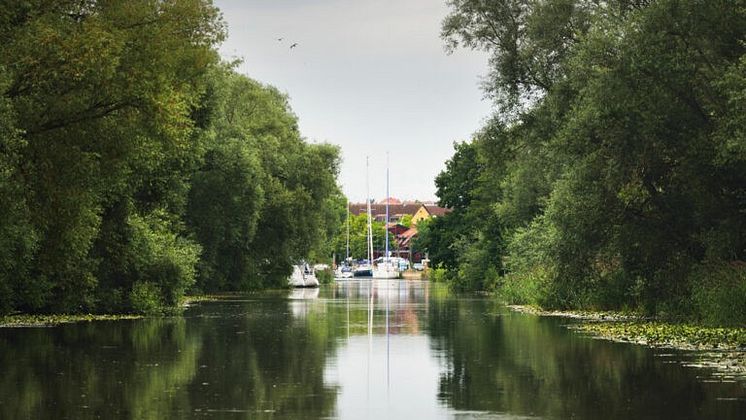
(303, 276)
(344, 272)
(386, 269)
(363, 270)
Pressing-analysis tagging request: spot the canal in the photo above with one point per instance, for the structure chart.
(353, 350)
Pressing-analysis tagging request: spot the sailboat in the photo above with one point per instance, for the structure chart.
(366, 269)
(386, 268)
(345, 270)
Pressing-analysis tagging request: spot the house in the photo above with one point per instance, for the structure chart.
(418, 211)
(404, 245)
(396, 229)
(404, 236)
(378, 210)
(427, 211)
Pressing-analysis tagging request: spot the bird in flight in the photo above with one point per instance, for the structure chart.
(295, 44)
(280, 39)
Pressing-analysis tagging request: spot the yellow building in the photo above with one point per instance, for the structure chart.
(428, 211)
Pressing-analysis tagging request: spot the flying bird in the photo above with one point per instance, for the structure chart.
(280, 39)
(295, 44)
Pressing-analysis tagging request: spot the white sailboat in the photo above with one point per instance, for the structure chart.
(386, 269)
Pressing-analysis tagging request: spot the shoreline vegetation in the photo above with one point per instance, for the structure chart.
(722, 349)
(137, 166)
(51, 320)
(613, 173)
(19, 320)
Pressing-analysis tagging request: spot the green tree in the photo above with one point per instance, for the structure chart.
(614, 170)
(102, 94)
(359, 237)
(528, 42)
(18, 238)
(263, 198)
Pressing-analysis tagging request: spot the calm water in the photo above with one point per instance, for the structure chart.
(335, 353)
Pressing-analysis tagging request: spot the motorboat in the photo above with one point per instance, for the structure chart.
(363, 270)
(344, 272)
(303, 276)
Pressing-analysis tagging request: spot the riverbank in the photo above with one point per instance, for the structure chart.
(214, 297)
(720, 349)
(50, 320)
(25, 321)
(631, 328)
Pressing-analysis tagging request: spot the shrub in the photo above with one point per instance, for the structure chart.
(162, 259)
(325, 276)
(719, 293)
(145, 298)
(528, 288)
(437, 274)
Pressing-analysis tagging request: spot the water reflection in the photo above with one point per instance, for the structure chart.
(124, 369)
(504, 362)
(356, 349)
(264, 358)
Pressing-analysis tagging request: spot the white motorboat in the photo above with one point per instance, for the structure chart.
(303, 276)
(344, 272)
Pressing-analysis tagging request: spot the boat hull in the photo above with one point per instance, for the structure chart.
(385, 274)
(363, 273)
(303, 277)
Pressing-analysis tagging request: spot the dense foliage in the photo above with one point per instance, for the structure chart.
(359, 238)
(614, 173)
(262, 198)
(134, 165)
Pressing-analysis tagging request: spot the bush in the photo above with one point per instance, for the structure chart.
(719, 294)
(161, 259)
(528, 288)
(325, 276)
(437, 275)
(145, 298)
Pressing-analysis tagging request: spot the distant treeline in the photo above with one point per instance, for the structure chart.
(136, 166)
(614, 172)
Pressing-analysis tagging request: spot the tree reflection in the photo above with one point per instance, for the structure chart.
(250, 359)
(504, 362)
(130, 369)
(264, 361)
(265, 357)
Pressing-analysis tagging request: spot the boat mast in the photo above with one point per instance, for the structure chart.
(386, 255)
(370, 226)
(347, 256)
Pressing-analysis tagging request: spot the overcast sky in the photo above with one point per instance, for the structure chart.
(368, 75)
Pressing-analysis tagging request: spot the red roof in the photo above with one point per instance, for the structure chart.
(397, 229)
(380, 209)
(406, 237)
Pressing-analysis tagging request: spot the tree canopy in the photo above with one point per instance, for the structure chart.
(134, 164)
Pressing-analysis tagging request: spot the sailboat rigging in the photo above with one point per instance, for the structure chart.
(386, 269)
(366, 269)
